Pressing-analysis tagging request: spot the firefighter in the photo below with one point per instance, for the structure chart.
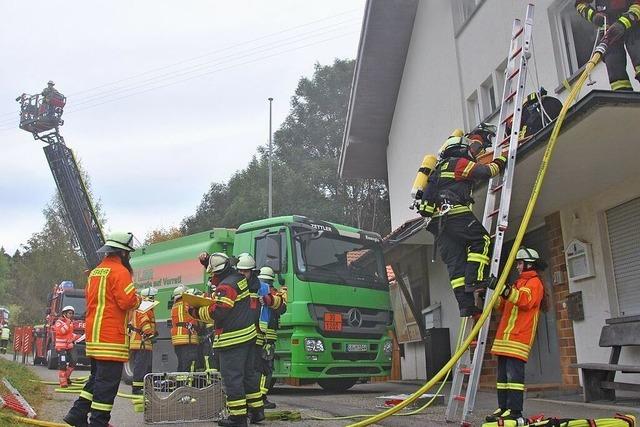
(48, 93)
(277, 304)
(520, 305)
(142, 330)
(110, 293)
(235, 321)
(63, 328)
(4, 338)
(463, 241)
(184, 336)
(621, 18)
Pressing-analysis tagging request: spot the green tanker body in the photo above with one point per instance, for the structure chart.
(166, 265)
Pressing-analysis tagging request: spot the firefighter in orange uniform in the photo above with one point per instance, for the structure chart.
(142, 328)
(520, 306)
(65, 338)
(110, 294)
(184, 336)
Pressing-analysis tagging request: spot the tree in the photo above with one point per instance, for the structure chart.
(305, 164)
(162, 234)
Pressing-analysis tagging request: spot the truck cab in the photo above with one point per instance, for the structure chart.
(335, 329)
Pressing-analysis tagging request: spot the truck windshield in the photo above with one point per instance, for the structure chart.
(331, 258)
(78, 302)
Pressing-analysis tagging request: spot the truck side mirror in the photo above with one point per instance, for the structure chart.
(170, 303)
(280, 279)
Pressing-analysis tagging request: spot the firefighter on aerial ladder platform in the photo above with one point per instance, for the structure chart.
(621, 18)
(520, 305)
(463, 242)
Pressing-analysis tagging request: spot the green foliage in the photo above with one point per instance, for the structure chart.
(26, 382)
(305, 167)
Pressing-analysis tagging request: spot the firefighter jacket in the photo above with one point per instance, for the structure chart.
(234, 312)
(141, 324)
(627, 12)
(65, 337)
(452, 181)
(519, 321)
(110, 294)
(183, 326)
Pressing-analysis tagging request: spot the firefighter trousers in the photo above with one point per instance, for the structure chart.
(142, 362)
(510, 383)
(464, 246)
(98, 394)
(187, 355)
(65, 358)
(240, 378)
(616, 59)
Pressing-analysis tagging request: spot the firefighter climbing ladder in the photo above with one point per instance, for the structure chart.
(510, 112)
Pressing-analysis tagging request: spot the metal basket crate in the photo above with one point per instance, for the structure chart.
(180, 397)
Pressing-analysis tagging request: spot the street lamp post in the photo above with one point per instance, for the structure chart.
(270, 161)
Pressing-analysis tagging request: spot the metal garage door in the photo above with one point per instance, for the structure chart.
(623, 223)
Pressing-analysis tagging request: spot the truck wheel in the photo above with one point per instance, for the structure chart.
(337, 385)
(127, 372)
(52, 359)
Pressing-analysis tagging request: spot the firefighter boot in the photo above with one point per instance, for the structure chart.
(234, 421)
(481, 286)
(62, 378)
(268, 404)
(75, 421)
(68, 373)
(256, 415)
(495, 416)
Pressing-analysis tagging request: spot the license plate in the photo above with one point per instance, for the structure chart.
(333, 322)
(357, 347)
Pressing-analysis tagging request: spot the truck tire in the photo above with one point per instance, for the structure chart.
(52, 359)
(337, 385)
(127, 372)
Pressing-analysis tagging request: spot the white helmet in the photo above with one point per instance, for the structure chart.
(218, 261)
(527, 254)
(116, 241)
(68, 308)
(246, 262)
(178, 291)
(266, 273)
(149, 292)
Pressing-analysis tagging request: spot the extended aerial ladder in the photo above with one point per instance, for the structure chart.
(466, 375)
(42, 117)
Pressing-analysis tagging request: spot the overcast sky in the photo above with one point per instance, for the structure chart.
(164, 97)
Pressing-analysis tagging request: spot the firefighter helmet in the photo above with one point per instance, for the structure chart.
(68, 308)
(50, 83)
(218, 261)
(266, 273)
(484, 133)
(246, 262)
(527, 255)
(178, 291)
(117, 241)
(149, 292)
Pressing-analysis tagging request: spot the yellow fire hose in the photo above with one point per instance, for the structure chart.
(34, 422)
(512, 255)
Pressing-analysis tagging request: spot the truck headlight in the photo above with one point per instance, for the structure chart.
(312, 345)
(387, 348)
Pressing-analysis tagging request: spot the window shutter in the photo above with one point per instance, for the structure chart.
(623, 223)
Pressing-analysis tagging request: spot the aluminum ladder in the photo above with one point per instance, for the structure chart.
(466, 374)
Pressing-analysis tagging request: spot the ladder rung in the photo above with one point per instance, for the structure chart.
(466, 371)
(505, 141)
(513, 74)
(509, 117)
(516, 53)
(473, 344)
(510, 97)
(494, 213)
(459, 398)
(466, 424)
(497, 188)
(517, 34)
(502, 228)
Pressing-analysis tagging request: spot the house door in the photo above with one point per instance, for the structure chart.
(544, 360)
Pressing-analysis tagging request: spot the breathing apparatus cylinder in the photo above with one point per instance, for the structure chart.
(420, 183)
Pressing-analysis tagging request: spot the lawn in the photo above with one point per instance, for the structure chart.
(27, 383)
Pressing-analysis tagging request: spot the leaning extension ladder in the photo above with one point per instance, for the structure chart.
(498, 191)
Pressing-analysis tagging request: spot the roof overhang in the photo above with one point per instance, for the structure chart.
(384, 42)
(596, 150)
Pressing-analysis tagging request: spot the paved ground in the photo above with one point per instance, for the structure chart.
(313, 401)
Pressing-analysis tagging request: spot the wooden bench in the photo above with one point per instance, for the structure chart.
(598, 379)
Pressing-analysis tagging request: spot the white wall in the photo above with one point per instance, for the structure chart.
(586, 221)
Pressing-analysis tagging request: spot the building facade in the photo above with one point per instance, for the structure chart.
(425, 68)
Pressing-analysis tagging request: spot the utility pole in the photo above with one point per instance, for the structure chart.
(270, 161)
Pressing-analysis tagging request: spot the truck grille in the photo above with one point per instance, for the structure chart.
(374, 322)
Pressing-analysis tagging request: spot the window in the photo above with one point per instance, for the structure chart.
(489, 103)
(575, 37)
(462, 12)
(271, 251)
(473, 111)
(623, 223)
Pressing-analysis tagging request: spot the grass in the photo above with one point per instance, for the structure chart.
(19, 376)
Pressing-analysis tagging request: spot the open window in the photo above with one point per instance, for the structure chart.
(271, 251)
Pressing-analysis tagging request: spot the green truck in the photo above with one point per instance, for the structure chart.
(335, 329)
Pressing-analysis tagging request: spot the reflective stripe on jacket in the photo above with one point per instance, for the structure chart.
(180, 318)
(519, 321)
(142, 323)
(63, 329)
(110, 294)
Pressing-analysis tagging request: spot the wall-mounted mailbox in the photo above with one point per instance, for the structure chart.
(579, 260)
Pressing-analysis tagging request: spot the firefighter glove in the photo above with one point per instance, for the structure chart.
(506, 291)
(267, 300)
(598, 19)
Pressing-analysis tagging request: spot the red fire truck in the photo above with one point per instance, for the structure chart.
(61, 295)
